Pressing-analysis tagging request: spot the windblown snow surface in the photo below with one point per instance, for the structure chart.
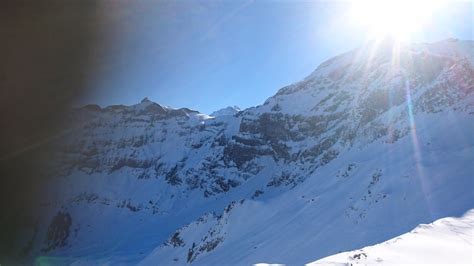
(370, 145)
(446, 241)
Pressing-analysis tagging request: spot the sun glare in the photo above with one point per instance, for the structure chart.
(395, 18)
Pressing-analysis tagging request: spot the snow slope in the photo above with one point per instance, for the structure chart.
(446, 241)
(357, 200)
(230, 110)
(371, 144)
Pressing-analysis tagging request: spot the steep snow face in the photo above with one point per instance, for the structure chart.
(230, 110)
(371, 144)
(446, 241)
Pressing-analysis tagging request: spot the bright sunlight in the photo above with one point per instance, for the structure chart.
(399, 19)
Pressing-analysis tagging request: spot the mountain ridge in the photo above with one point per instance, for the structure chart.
(464, 50)
(359, 143)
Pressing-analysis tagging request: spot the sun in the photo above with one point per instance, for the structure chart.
(395, 18)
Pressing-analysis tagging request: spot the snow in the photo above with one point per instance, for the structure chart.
(446, 241)
(397, 163)
(230, 110)
(328, 209)
(451, 48)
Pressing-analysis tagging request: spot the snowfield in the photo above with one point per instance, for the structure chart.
(446, 241)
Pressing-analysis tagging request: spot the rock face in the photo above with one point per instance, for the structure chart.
(58, 232)
(372, 143)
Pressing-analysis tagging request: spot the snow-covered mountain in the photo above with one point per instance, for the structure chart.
(230, 110)
(371, 144)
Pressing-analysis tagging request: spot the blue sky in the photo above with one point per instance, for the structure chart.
(212, 54)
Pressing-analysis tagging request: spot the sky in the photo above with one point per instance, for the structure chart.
(207, 55)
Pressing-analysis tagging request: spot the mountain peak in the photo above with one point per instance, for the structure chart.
(229, 110)
(145, 100)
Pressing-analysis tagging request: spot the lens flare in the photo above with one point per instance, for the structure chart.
(395, 18)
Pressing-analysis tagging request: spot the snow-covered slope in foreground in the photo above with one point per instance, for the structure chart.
(446, 241)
